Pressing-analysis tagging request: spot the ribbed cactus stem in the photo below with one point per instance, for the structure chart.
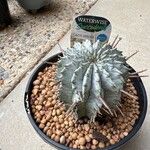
(92, 79)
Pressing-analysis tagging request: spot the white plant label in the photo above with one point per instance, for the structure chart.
(92, 28)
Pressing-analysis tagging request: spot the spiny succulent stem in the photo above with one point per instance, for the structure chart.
(105, 104)
(134, 73)
(114, 41)
(134, 76)
(117, 42)
(120, 110)
(128, 94)
(131, 55)
(88, 72)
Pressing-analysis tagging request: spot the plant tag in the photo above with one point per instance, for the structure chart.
(92, 28)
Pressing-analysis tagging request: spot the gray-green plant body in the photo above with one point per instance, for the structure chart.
(92, 77)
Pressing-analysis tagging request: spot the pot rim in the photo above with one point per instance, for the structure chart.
(131, 134)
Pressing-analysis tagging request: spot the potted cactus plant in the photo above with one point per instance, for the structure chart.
(5, 18)
(88, 97)
(34, 5)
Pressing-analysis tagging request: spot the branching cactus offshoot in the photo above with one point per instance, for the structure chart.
(92, 79)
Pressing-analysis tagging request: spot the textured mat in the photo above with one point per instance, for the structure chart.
(30, 37)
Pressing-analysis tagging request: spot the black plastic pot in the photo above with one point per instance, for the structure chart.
(142, 100)
(5, 18)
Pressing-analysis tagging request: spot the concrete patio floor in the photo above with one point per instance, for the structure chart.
(130, 19)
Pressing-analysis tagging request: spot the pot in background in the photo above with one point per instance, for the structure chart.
(5, 18)
(142, 101)
(33, 5)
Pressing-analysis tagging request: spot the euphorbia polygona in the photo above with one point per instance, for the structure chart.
(92, 78)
